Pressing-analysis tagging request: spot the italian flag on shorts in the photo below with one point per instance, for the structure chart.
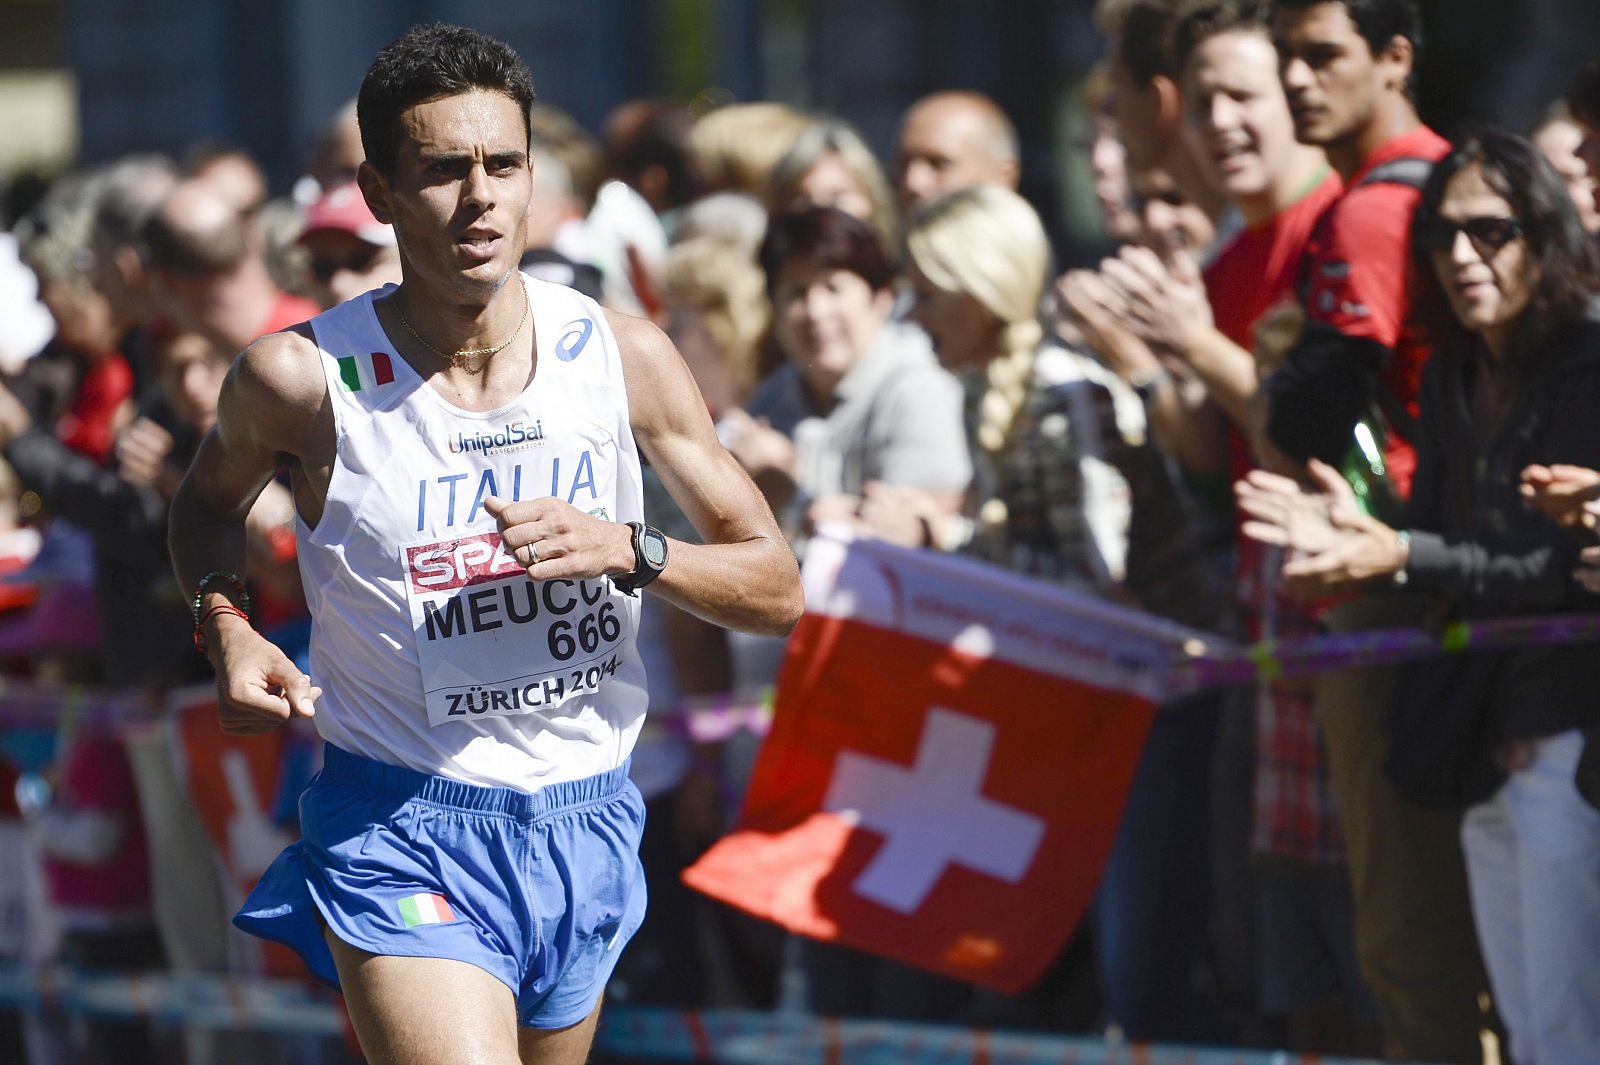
(365, 371)
(425, 909)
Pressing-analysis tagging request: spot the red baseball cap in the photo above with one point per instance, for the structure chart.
(344, 210)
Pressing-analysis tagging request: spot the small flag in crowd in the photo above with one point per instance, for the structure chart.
(365, 371)
(425, 909)
(231, 784)
(955, 810)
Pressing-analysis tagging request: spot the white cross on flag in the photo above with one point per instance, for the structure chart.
(947, 765)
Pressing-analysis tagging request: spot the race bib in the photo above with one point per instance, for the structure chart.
(493, 643)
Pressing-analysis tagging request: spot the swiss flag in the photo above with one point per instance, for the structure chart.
(231, 781)
(938, 787)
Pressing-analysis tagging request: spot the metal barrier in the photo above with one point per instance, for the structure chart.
(743, 1037)
(194, 1000)
(728, 1037)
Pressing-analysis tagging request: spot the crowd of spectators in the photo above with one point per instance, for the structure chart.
(1334, 377)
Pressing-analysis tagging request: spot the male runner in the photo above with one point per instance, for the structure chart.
(462, 454)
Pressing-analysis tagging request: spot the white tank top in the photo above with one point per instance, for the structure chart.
(432, 647)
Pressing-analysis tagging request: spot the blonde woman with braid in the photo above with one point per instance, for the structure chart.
(977, 268)
(1059, 442)
(977, 260)
(1071, 489)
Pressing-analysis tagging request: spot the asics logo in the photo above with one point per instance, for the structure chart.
(572, 342)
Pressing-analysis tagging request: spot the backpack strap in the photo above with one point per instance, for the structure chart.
(1412, 171)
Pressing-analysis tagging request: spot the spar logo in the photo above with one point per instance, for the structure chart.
(451, 564)
(514, 436)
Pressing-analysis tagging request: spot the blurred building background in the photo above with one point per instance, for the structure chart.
(86, 80)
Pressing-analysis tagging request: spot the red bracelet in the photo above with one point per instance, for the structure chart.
(200, 626)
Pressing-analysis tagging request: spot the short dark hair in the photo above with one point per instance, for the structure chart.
(825, 236)
(1212, 18)
(660, 138)
(1583, 95)
(1144, 40)
(1563, 259)
(425, 64)
(1378, 21)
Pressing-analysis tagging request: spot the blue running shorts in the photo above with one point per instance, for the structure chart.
(541, 890)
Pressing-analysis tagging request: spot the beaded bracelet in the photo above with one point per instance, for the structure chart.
(221, 575)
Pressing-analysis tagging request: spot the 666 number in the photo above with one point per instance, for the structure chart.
(566, 639)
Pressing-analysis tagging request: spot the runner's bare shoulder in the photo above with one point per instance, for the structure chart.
(638, 339)
(654, 372)
(277, 390)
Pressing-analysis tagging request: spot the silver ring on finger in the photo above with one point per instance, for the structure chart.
(533, 553)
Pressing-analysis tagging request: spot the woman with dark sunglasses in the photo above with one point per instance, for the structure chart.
(1514, 382)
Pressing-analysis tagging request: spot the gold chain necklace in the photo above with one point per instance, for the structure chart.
(459, 359)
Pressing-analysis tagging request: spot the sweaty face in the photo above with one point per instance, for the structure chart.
(459, 194)
(1330, 76)
(962, 330)
(942, 149)
(1168, 222)
(1487, 286)
(825, 319)
(1236, 120)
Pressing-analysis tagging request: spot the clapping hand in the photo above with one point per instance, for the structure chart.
(1100, 314)
(1332, 542)
(1570, 497)
(1562, 493)
(1164, 302)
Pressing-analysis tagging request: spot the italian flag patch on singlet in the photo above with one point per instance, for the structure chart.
(425, 909)
(365, 371)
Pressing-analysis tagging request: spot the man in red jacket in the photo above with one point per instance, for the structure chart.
(1346, 67)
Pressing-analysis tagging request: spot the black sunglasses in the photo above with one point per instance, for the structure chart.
(1487, 233)
(360, 262)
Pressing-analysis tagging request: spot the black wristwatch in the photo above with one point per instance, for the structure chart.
(649, 559)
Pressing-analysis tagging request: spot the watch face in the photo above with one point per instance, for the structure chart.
(655, 548)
